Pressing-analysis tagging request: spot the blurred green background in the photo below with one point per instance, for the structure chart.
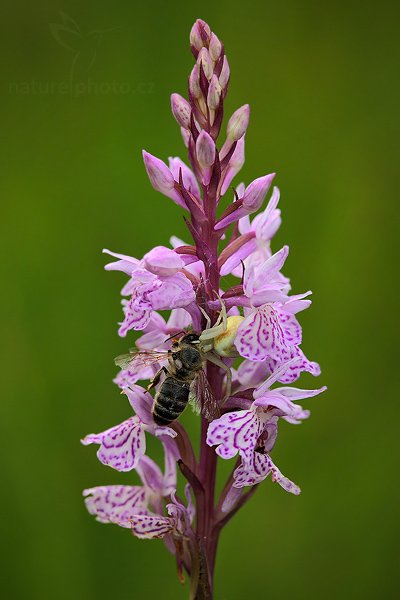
(322, 82)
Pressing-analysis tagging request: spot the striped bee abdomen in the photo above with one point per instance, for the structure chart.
(170, 400)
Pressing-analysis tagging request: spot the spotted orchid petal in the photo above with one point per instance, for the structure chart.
(298, 418)
(190, 509)
(292, 393)
(262, 465)
(255, 259)
(174, 292)
(291, 328)
(121, 446)
(171, 456)
(162, 484)
(161, 432)
(137, 314)
(235, 433)
(151, 292)
(189, 180)
(238, 257)
(126, 264)
(116, 503)
(268, 332)
(148, 527)
(296, 368)
(195, 266)
(263, 227)
(138, 310)
(297, 303)
(153, 340)
(178, 320)
(156, 335)
(276, 375)
(151, 475)
(182, 515)
(251, 373)
(263, 282)
(153, 334)
(141, 401)
(267, 271)
(156, 322)
(267, 440)
(266, 224)
(279, 401)
(127, 378)
(156, 526)
(163, 261)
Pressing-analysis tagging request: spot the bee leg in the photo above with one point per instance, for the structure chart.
(212, 357)
(156, 378)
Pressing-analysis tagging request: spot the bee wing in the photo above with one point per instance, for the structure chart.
(140, 359)
(205, 397)
(194, 398)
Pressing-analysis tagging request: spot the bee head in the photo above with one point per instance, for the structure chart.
(190, 338)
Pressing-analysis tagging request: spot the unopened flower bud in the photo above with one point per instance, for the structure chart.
(238, 123)
(224, 75)
(185, 136)
(194, 83)
(160, 176)
(215, 47)
(214, 93)
(205, 150)
(256, 192)
(181, 110)
(249, 203)
(195, 37)
(199, 34)
(204, 59)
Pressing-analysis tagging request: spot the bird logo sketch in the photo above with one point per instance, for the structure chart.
(83, 45)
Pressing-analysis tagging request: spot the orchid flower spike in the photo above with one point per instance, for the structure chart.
(230, 351)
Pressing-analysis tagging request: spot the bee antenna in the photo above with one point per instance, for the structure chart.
(173, 335)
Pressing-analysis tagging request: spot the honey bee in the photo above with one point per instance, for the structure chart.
(184, 376)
